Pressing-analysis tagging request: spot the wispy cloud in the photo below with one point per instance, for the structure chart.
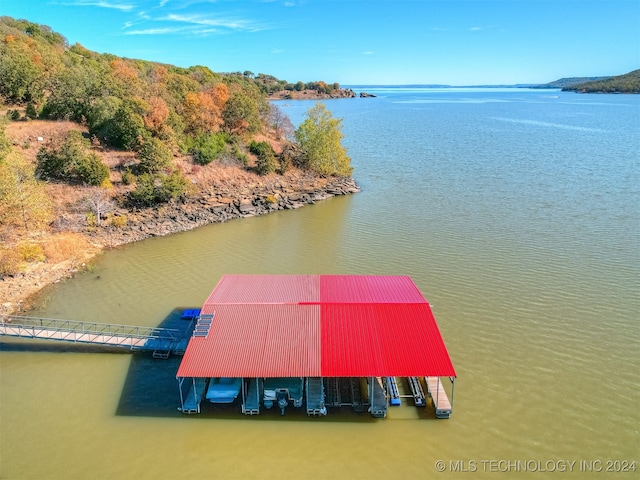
(155, 31)
(368, 52)
(480, 28)
(222, 23)
(277, 51)
(125, 7)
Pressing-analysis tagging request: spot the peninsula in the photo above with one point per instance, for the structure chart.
(97, 151)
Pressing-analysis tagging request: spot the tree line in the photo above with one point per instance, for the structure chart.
(627, 83)
(156, 110)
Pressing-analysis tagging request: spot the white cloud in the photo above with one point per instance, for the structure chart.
(368, 52)
(231, 24)
(156, 31)
(125, 7)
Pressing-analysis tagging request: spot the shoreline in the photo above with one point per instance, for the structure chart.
(229, 202)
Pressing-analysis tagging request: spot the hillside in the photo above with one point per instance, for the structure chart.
(627, 83)
(568, 82)
(98, 150)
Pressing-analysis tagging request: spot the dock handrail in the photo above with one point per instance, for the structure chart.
(80, 331)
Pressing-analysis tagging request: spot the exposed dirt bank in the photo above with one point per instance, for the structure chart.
(230, 193)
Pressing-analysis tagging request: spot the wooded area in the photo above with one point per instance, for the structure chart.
(168, 126)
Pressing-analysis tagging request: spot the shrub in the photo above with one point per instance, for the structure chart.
(143, 194)
(170, 187)
(119, 221)
(207, 147)
(266, 159)
(31, 252)
(91, 170)
(160, 188)
(154, 156)
(91, 219)
(9, 262)
(128, 177)
(13, 115)
(71, 161)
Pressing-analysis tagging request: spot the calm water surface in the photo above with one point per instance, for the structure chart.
(516, 213)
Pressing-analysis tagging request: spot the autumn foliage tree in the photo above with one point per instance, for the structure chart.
(202, 111)
(24, 203)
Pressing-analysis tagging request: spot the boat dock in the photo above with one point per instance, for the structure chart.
(310, 342)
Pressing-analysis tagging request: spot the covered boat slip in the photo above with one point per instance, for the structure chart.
(374, 395)
(316, 341)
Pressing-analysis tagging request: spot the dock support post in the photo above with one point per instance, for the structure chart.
(453, 379)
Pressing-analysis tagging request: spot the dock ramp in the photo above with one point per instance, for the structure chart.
(438, 396)
(161, 341)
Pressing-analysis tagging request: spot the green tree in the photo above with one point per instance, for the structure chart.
(241, 113)
(125, 128)
(153, 189)
(70, 160)
(154, 156)
(319, 136)
(266, 161)
(205, 148)
(90, 170)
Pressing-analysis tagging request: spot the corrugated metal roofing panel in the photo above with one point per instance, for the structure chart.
(274, 325)
(382, 340)
(266, 289)
(369, 289)
(273, 340)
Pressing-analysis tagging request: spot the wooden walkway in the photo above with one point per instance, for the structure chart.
(439, 397)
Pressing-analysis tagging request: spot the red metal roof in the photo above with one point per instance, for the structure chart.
(368, 289)
(266, 289)
(318, 326)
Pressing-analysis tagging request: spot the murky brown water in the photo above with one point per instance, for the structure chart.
(533, 278)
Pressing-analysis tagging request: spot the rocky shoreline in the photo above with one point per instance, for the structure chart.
(223, 205)
(230, 199)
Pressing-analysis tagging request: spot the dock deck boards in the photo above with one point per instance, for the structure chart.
(439, 397)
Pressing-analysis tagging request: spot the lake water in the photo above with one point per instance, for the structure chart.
(515, 211)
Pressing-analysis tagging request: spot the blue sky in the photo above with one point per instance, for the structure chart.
(454, 42)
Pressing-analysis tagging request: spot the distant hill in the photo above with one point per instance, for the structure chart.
(627, 83)
(568, 82)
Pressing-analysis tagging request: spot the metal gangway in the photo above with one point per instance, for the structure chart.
(161, 341)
